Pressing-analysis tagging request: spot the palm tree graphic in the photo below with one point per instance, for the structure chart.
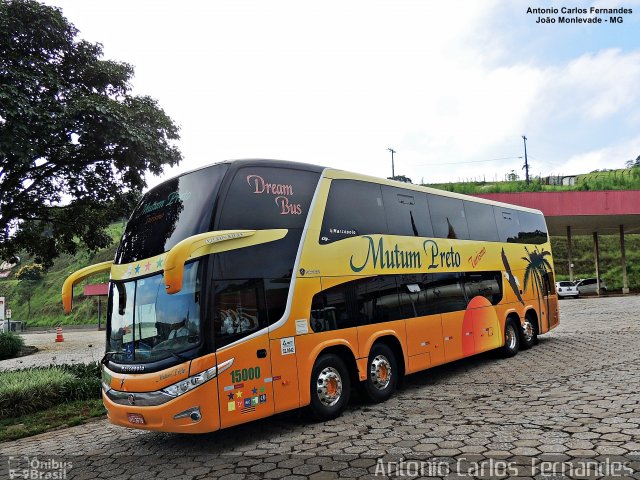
(537, 268)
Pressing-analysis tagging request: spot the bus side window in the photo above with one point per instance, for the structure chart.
(447, 217)
(532, 228)
(276, 292)
(238, 310)
(407, 212)
(508, 224)
(413, 296)
(353, 208)
(329, 309)
(445, 293)
(485, 284)
(481, 221)
(377, 300)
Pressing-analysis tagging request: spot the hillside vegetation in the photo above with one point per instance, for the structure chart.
(610, 266)
(46, 302)
(622, 179)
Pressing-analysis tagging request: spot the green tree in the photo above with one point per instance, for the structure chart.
(29, 277)
(633, 163)
(512, 176)
(401, 178)
(75, 144)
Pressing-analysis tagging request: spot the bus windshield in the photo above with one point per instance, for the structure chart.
(175, 210)
(146, 324)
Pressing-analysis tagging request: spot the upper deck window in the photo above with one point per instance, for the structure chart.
(448, 218)
(268, 197)
(533, 228)
(407, 212)
(481, 221)
(353, 208)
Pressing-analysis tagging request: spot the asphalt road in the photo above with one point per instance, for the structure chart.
(571, 405)
(79, 346)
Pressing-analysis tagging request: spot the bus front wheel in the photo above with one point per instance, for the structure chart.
(382, 374)
(330, 387)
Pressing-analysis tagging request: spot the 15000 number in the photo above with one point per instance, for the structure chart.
(245, 374)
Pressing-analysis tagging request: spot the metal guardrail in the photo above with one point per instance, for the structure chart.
(11, 326)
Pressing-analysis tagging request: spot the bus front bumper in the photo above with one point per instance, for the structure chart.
(194, 412)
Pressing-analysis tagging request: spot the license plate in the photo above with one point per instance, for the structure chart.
(136, 418)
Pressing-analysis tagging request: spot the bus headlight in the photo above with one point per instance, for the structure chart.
(190, 383)
(194, 381)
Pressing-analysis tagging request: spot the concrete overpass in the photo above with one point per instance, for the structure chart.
(608, 212)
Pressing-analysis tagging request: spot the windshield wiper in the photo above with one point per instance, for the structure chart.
(174, 355)
(107, 357)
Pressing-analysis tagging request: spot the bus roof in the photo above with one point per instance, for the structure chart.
(334, 173)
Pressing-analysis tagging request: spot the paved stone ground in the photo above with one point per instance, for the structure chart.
(573, 400)
(79, 346)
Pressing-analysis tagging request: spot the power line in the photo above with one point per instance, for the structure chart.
(458, 163)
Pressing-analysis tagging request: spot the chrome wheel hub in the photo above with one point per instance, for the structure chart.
(380, 372)
(329, 386)
(527, 330)
(510, 337)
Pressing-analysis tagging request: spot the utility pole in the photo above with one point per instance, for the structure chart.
(526, 163)
(393, 171)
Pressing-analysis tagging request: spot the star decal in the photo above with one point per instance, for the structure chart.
(137, 269)
(254, 391)
(262, 389)
(159, 263)
(231, 396)
(239, 394)
(147, 266)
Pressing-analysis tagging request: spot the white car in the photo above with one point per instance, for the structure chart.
(566, 289)
(589, 286)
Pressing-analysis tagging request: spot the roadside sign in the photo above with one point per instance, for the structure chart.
(8, 314)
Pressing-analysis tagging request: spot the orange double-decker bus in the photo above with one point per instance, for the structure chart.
(253, 287)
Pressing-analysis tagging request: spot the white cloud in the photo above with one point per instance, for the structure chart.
(337, 83)
(600, 85)
(602, 158)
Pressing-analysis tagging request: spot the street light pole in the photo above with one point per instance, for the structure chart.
(393, 172)
(526, 163)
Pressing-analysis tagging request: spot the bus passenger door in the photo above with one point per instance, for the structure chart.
(549, 301)
(245, 388)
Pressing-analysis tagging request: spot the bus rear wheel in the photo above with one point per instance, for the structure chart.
(529, 333)
(511, 339)
(382, 374)
(330, 387)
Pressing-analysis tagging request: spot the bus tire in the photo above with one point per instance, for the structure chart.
(528, 333)
(382, 374)
(511, 339)
(330, 387)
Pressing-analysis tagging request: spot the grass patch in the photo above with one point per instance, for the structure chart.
(28, 391)
(10, 345)
(65, 415)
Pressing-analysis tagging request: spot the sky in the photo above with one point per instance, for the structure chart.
(450, 86)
